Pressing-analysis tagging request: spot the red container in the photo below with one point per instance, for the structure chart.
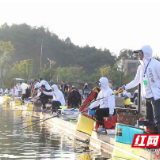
(109, 124)
(48, 106)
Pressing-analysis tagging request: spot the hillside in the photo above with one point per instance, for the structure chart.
(27, 42)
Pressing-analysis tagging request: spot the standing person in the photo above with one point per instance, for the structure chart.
(69, 89)
(12, 92)
(16, 90)
(36, 83)
(135, 96)
(23, 95)
(148, 75)
(64, 87)
(6, 91)
(1, 91)
(86, 90)
(19, 89)
(74, 98)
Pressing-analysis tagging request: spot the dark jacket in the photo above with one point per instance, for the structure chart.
(64, 87)
(74, 97)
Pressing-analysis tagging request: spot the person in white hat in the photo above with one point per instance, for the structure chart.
(148, 75)
(106, 101)
(58, 97)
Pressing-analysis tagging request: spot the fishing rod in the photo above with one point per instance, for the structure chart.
(30, 121)
(33, 124)
(38, 122)
(39, 119)
(116, 92)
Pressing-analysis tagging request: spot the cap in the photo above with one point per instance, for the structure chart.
(145, 49)
(137, 51)
(97, 82)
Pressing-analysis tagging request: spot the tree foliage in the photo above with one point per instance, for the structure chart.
(127, 54)
(70, 74)
(47, 72)
(6, 51)
(27, 41)
(23, 69)
(70, 63)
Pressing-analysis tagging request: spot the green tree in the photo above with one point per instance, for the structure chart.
(70, 74)
(105, 71)
(47, 72)
(27, 41)
(6, 51)
(23, 69)
(127, 54)
(157, 57)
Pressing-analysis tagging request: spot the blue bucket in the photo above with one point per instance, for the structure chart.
(91, 112)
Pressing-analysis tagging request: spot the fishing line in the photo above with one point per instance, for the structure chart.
(31, 125)
(40, 119)
(27, 122)
(38, 122)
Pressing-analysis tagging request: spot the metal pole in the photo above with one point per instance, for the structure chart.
(139, 98)
(57, 79)
(41, 57)
(50, 69)
(50, 61)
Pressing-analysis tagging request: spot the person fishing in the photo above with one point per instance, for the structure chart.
(44, 97)
(148, 75)
(58, 97)
(106, 101)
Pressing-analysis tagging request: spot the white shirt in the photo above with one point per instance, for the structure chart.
(19, 87)
(37, 85)
(153, 80)
(57, 95)
(1, 90)
(12, 91)
(16, 90)
(46, 84)
(23, 91)
(108, 100)
(6, 91)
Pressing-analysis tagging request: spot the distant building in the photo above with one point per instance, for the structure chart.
(130, 67)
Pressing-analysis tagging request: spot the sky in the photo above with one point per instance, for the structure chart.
(111, 24)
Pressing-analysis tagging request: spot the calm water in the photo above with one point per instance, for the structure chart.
(38, 142)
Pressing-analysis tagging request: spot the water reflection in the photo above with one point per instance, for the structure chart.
(38, 142)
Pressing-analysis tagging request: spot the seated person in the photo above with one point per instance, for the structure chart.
(58, 97)
(45, 96)
(106, 101)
